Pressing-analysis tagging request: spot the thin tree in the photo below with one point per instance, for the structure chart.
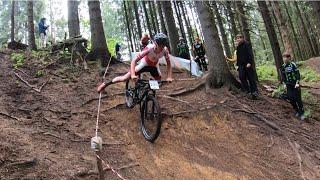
(243, 21)
(305, 31)
(316, 8)
(153, 16)
(299, 52)
(284, 32)
(245, 29)
(219, 74)
(170, 24)
(187, 21)
(162, 23)
(147, 17)
(230, 12)
(98, 39)
(73, 18)
(128, 24)
(12, 20)
(136, 13)
(221, 28)
(31, 38)
(178, 13)
(271, 34)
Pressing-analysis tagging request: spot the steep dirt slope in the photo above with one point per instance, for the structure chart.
(47, 135)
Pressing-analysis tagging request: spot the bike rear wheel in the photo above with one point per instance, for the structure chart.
(129, 94)
(150, 119)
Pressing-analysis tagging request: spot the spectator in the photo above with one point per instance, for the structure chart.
(199, 52)
(291, 77)
(42, 32)
(117, 49)
(144, 41)
(245, 66)
(183, 49)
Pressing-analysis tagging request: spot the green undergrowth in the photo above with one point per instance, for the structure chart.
(268, 72)
(18, 59)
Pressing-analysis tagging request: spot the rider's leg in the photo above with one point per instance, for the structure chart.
(122, 78)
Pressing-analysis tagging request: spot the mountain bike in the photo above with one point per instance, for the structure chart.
(143, 92)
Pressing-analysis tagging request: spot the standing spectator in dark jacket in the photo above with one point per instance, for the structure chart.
(291, 77)
(183, 49)
(42, 32)
(245, 64)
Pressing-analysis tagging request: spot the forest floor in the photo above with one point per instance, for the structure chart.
(46, 134)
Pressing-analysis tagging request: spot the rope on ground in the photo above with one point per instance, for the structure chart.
(97, 141)
(111, 168)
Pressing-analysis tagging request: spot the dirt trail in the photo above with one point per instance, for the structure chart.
(50, 131)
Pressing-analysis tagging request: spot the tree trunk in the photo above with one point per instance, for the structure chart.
(128, 25)
(12, 20)
(162, 23)
(219, 73)
(186, 20)
(221, 28)
(73, 18)
(170, 24)
(245, 30)
(98, 39)
(147, 17)
(243, 21)
(272, 35)
(312, 32)
(234, 29)
(178, 13)
(153, 18)
(284, 32)
(299, 52)
(31, 38)
(305, 31)
(136, 13)
(316, 8)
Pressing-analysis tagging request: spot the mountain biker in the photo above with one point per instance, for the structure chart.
(149, 57)
(183, 49)
(200, 52)
(291, 77)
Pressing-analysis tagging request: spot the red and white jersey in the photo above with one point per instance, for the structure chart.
(151, 57)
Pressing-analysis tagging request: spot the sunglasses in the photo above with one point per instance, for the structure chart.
(287, 56)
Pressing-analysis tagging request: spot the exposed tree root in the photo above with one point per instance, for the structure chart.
(295, 148)
(123, 167)
(32, 87)
(191, 111)
(102, 97)
(91, 172)
(187, 90)
(260, 117)
(93, 99)
(9, 116)
(22, 72)
(176, 99)
(24, 163)
(113, 107)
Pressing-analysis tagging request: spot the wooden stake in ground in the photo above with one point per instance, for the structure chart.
(99, 164)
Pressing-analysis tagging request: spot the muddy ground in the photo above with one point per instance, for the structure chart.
(46, 135)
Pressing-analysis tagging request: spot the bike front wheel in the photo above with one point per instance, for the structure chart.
(150, 119)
